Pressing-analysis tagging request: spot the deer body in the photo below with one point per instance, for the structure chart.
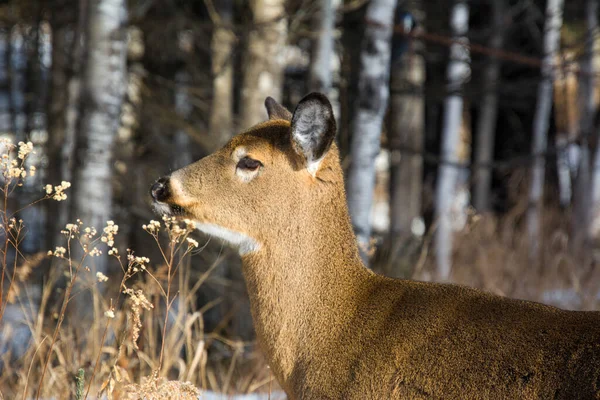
(331, 328)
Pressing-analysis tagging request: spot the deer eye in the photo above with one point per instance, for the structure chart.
(248, 164)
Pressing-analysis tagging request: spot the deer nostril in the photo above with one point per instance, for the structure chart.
(160, 189)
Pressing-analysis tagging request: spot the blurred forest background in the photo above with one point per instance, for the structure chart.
(468, 132)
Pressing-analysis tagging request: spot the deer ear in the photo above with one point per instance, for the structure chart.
(276, 110)
(313, 129)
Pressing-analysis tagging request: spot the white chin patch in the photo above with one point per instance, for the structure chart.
(162, 208)
(245, 244)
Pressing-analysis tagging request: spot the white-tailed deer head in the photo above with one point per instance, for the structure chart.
(251, 188)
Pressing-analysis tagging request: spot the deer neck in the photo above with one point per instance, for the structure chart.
(299, 280)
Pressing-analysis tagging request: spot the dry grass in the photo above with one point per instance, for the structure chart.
(134, 334)
(492, 253)
(145, 340)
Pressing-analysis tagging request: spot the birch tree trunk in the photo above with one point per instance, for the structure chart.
(63, 109)
(486, 123)
(103, 88)
(406, 133)
(265, 62)
(223, 40)
(320, 79)
(128, 199)
(554, 14)
(371, 104)
(566, 121)
(452, 157)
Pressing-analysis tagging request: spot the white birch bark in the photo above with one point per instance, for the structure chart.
(567, 122)
(265, 60)
(553, 23)
(486, 123)
(325, 62)
(103, 88)
(565, 189)
(450, 168)
(371, 104)
(321, 78)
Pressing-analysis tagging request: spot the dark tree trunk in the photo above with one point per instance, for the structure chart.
(264, 66)
(67, 22)
(223, 42)
(406, 134)
(352, 33)
(486, 123)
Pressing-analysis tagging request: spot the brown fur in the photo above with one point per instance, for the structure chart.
(332, 329)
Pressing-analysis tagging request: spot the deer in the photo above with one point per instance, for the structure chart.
(331, 328)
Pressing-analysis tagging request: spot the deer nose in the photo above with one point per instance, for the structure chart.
(160, 189)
